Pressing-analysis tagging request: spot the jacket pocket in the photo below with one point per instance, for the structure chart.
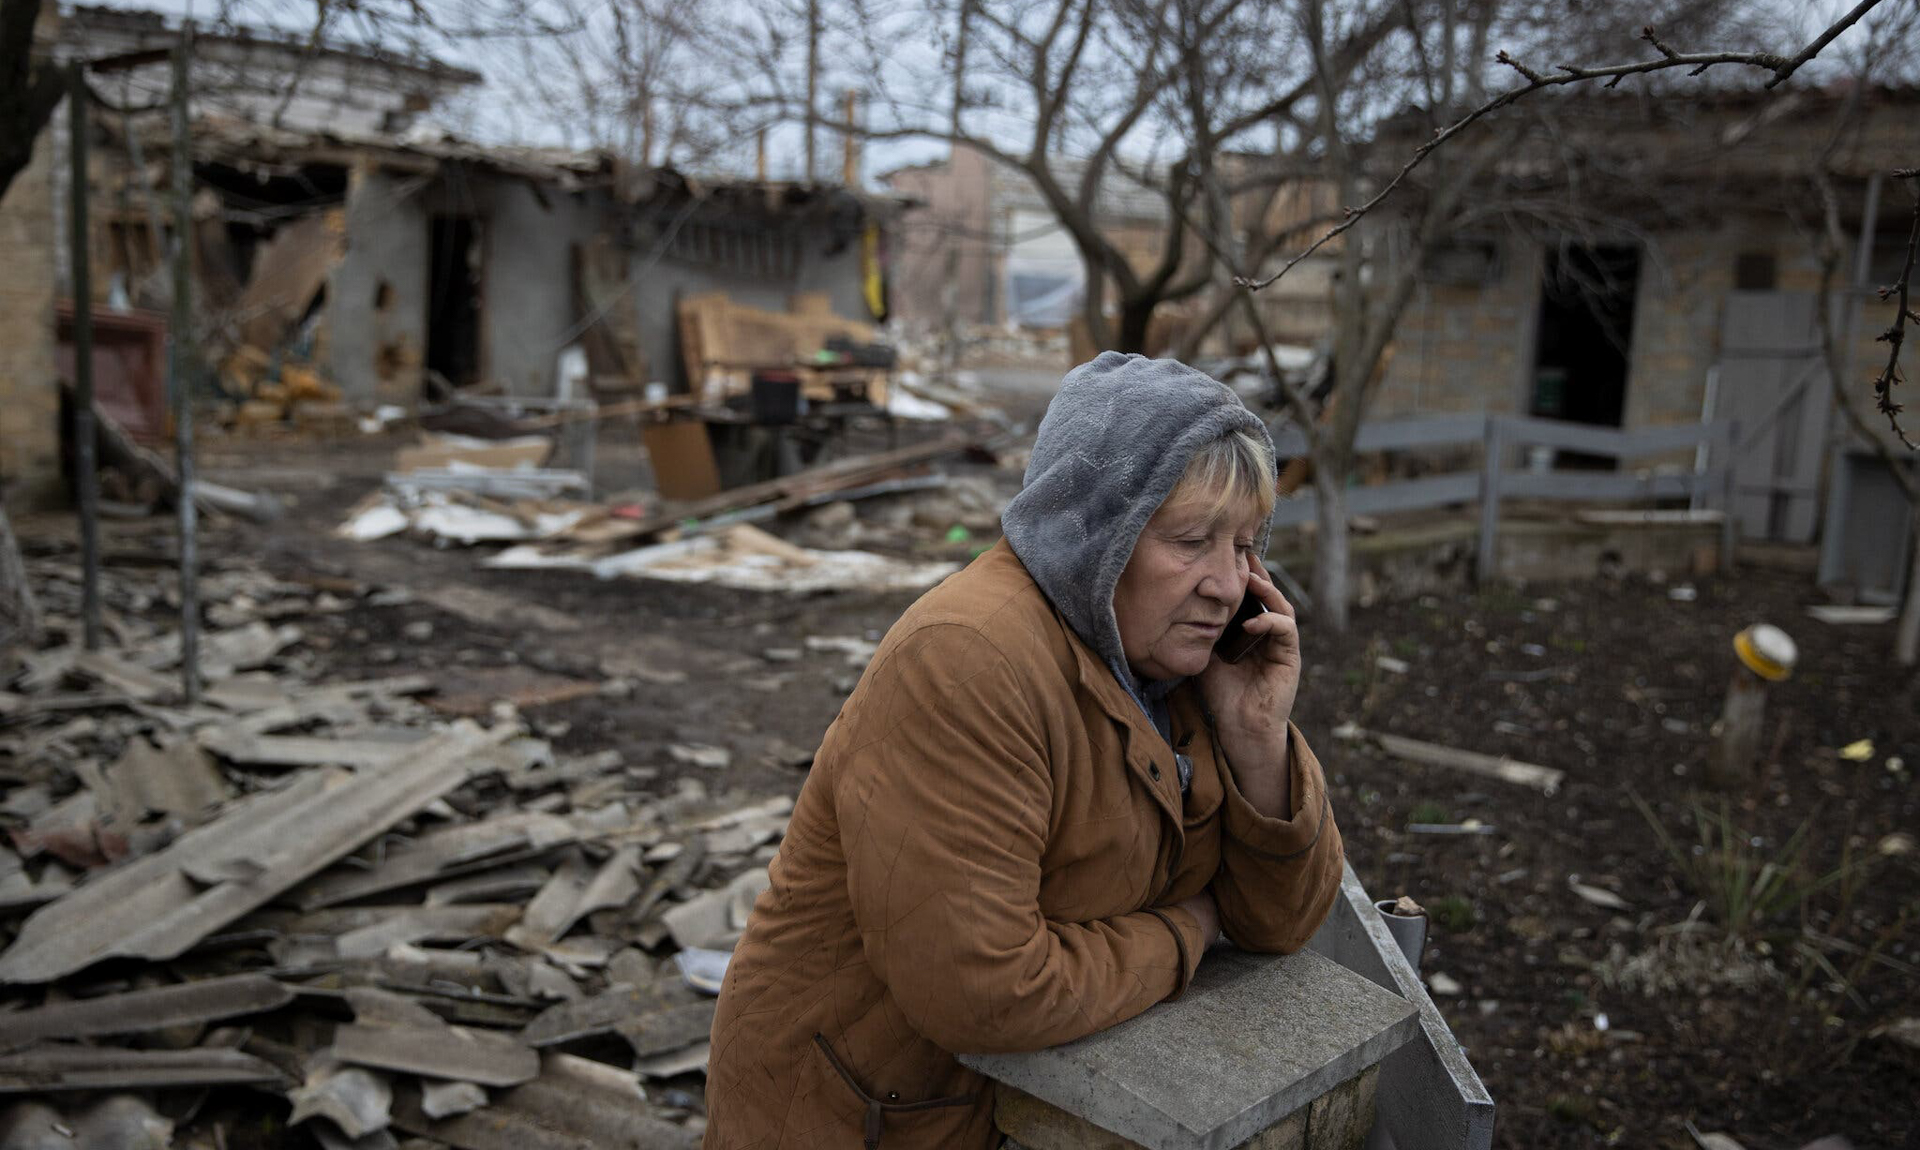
(878, 1109)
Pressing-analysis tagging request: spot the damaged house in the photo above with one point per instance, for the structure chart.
(1658, 265)
(347, 252)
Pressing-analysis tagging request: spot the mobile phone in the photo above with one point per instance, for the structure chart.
(1234, 644)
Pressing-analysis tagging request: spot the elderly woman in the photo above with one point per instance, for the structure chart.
(1045, 798)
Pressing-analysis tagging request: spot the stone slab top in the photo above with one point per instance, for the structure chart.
(1254, 1038)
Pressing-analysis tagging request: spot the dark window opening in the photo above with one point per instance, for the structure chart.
(1586, 330)
(1755, 271)
(453, 300)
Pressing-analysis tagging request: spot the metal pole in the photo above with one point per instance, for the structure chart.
(181, 369)
(86, 478)
(813, 80)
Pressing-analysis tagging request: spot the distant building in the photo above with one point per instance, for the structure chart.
(988, 246)
(1680, 285)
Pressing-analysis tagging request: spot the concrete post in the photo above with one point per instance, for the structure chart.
(1262, 1052)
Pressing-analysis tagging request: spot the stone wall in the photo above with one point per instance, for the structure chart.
(30, 473)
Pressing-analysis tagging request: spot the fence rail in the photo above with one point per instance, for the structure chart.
(1708, 483)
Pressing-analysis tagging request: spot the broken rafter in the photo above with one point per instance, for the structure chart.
(1544, 779)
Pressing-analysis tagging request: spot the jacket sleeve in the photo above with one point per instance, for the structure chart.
(1278, 877)
(943, 798)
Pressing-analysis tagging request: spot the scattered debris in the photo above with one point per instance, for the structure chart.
(1598, 896)
(1858, 751)
(1905, 1031)
(1544, 779)
(744, 557)
(700, 755)
(1840, 616)
(135, 1011)
(445, 1052)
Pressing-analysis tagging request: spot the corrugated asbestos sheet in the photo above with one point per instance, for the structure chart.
(141, 1010)
(160, 905)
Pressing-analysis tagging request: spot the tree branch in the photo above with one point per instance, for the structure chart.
(1896, 334)
(1780, 66)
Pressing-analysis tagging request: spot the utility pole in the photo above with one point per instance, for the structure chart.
(813, 81)
(959, 69)
(181, 369)
(850, 158)
(87, 476)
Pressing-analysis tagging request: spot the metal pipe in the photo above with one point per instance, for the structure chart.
(181, 369)
(1409, 931)
(86, 472)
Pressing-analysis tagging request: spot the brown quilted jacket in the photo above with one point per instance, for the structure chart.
(985, 858)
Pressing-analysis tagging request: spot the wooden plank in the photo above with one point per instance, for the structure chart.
(1406, 495)
(1490, 502)
(1612, 441)
(796, 489)
(1395, 434)
(1584, 486)
(1547, 780)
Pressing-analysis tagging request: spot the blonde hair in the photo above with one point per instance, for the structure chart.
(1234, 471)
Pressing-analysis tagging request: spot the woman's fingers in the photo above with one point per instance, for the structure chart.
(1263, 586)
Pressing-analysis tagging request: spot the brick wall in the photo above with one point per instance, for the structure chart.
(1462, 347)
(29, 389)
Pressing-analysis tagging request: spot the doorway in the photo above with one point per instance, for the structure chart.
(1586, 334)
(453, 299)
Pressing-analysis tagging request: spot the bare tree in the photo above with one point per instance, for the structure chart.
(1082, 99)
(1875, 61)
(654, 81)
(30, 88)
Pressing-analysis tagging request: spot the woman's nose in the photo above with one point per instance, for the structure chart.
(1226, 574)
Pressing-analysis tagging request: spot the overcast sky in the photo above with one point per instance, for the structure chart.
(498, 113)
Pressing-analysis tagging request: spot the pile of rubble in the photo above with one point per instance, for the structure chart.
(467, 492)
(403, 924)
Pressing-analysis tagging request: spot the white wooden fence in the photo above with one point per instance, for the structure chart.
(1708, 484)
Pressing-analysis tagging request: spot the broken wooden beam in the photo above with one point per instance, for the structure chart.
(1547, 780)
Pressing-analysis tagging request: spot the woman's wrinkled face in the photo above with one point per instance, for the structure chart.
(1183, 584)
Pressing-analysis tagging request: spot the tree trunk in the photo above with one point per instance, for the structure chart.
(1906, 635)
(1330, 548)
(1131, 335)
(950, 316)
(29, 88)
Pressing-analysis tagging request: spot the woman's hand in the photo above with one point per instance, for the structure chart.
(1252, 700)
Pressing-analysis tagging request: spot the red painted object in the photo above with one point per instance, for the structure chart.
(129, 368)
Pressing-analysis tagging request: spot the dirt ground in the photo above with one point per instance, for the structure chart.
(1589, 1025)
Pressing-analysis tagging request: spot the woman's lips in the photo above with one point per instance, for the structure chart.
(1209, 629)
